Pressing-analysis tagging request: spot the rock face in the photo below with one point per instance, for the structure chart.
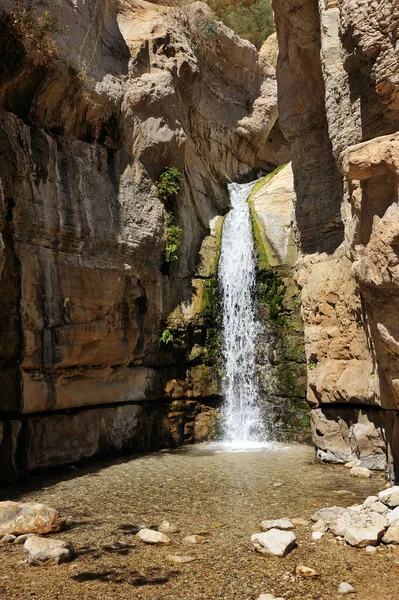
(85, 291)
(281, 363)
(17, 518)
(345, 164)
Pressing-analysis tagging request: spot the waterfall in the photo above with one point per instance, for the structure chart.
(242, 423)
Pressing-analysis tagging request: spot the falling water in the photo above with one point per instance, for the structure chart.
(242, 421)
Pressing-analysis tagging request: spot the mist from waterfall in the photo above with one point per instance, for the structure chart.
(241, 418)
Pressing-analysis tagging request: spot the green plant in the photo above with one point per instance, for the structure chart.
(271, 290)
(32, 20)
(208, 27)
(166, 337)
(173, 235)
(312, 364)
(169, 184)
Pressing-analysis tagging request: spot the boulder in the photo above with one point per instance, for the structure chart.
(277, 524)
(360, 537)
(21, 539)
(361, 472)
(42, 550)
(379, 507)
(392, 534)
(18, 518)
(274, 541)
(149, 536)
(390, 497)
(369, 501)
(393, 516)
(328, 514)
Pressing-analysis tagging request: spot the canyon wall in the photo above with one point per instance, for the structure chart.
(341, 59)
(105, 345)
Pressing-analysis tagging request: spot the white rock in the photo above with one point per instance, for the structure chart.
(345, 588)
(277, 524)
(21, 539)
(317, 535)
(194, 539)
(166, 527)
(361, 472)
(349, 518)
(360, 537)
(393, 516)
(351, 463)
(149, 536)
(268, 597)
(320, 526)
(41, 550)
(390, 497)
(356, 507)
(371, 549)
(369, 501)
(180, 560)
(392, 534)
(274, 541)
(378, 520)
(380, 508)
(328, 514)
(7, 539)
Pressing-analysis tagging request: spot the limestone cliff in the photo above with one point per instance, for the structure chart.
(86, 129)
(341, 59)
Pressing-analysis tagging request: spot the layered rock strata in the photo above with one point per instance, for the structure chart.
(341, 124)
(85, 294)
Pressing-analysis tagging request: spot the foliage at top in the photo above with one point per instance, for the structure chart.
(32, 20)
(169, 184)
(250, 19)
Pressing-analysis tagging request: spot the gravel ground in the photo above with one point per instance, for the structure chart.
(220, 495)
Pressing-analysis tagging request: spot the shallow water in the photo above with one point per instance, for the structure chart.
(224, 495)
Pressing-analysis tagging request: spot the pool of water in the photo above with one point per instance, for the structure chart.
(221, 493)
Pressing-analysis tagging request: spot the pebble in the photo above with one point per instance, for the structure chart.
(345, 588)
(274, 541)
(277, 524)
(361, 472)
(306, 571)
(180, 560)
(7, 539)
(278, 484)
(268, 597)
(150, 536)
(166, 527)
(317, 535)
(194, 539)
(371, 549)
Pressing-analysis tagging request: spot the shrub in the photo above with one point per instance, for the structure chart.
(169, 184)
(173, 234)
(166, 337)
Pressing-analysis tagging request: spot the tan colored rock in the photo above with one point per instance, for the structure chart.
(360, 472)
(284, 524)
(167, 527)
(180, 559)
(194, 539)
(392, 534)
(360, 537)
(306, 572)
(300, 521)
(18, 518)
(269, 50)
(274, 541)
(43, 550)
(149, 536)
(390, 496)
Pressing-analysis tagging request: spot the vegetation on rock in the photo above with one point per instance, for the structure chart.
(168, 188)
(169, 185)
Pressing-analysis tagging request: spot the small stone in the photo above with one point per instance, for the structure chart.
(21, 539)
(390, 497)
(392, 534)
(149, 536)
(371, 549)
(320, 526)
(277, 484)
(166, 527)
(345, 588)
(194, 539)
(393, 516)
(180, 560)
(361, 472)
(7, 539)
(300, 522)
(360, 537)
(277, 524)
(42, 550)
(274, 541)
(369, 501)
(306, 571)
(268, 597)
(351, 463)
(317, 535)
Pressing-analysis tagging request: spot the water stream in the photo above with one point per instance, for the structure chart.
(242, 423)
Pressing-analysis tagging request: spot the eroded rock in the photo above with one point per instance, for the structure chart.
(18, 518)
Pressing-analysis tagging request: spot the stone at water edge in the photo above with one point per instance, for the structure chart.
(276, 524)
(345, 588)
(274, 541)
(194, 539)
(19, 518)
(42, 550)
(306, 572)
(360, 537)
(180, 560)
(390, 496)
(361, 472)
(166, 527)
(150, 536)
(392, 534)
